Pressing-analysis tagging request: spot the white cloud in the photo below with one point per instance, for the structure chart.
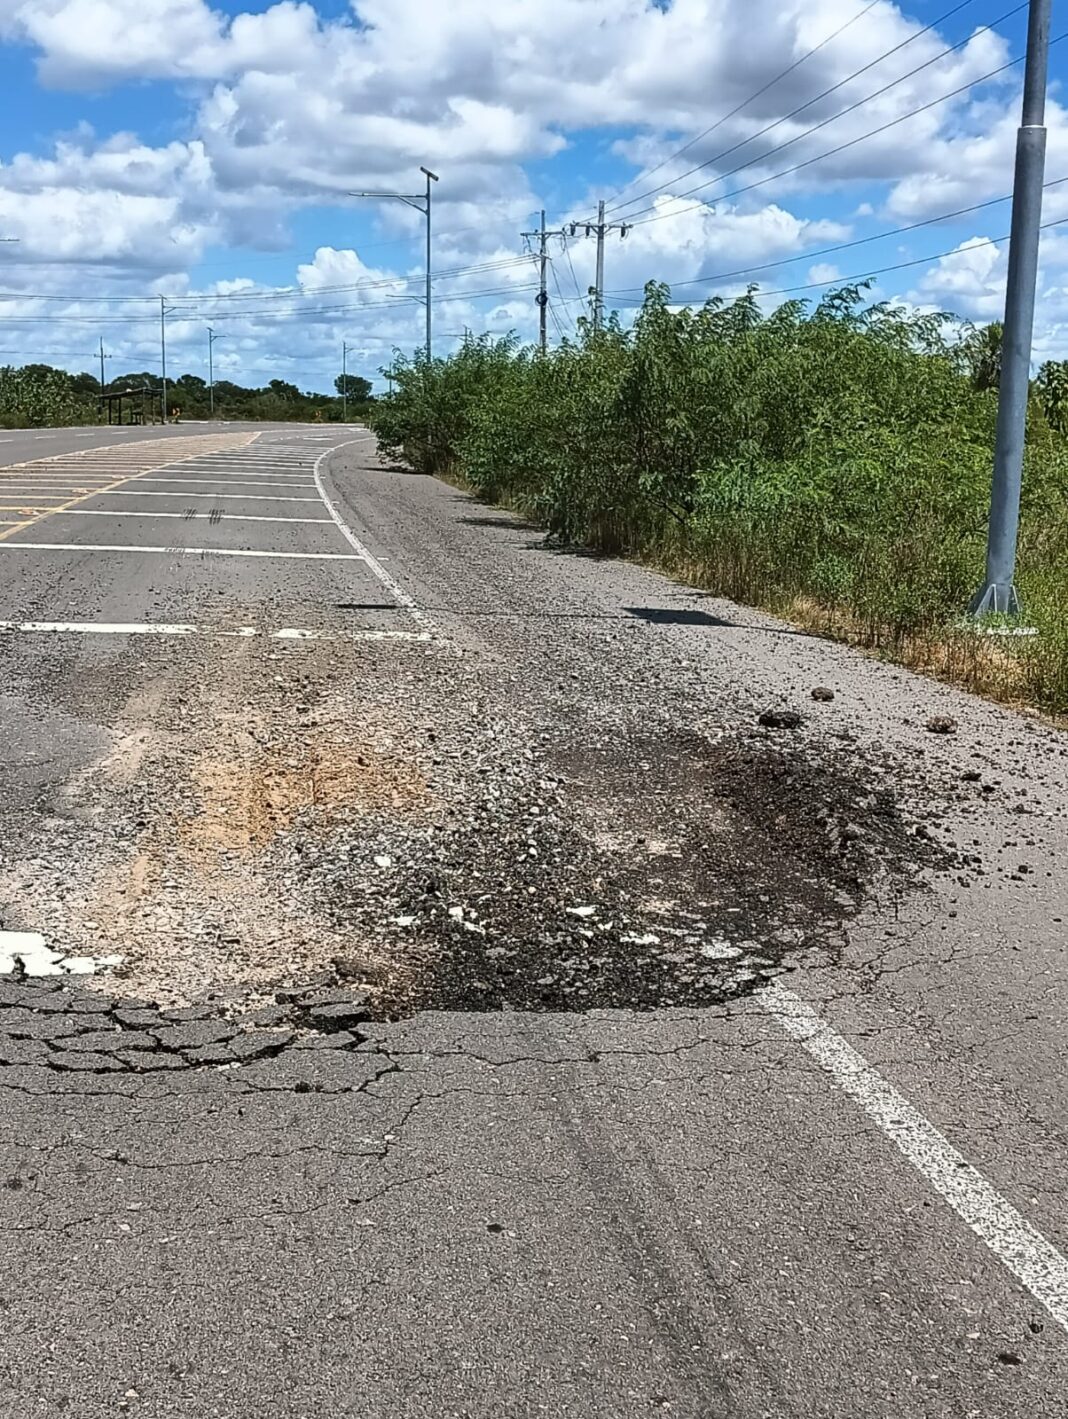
(969, 281)
(289, 109)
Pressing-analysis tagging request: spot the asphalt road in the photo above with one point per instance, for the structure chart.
(817, 1181)
(22, 445)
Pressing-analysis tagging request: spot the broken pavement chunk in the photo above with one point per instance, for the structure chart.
(338, 1017)
(941, 724)
(780, 719)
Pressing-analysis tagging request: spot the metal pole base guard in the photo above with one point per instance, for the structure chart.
(997, 598)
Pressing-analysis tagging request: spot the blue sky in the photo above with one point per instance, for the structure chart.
(205, 152)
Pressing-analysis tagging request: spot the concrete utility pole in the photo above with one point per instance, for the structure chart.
(163, 352)
(543, 294)
(599, 228)
(422, 202)
(998, 592)
(103, 391)
(430, 177)
(598, 300)
(212, 337)
(542, 298)
(345, 382)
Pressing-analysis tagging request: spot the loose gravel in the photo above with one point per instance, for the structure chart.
(406, 822)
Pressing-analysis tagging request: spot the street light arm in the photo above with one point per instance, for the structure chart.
(413, 199)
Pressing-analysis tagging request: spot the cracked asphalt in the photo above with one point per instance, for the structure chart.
(443, 1073)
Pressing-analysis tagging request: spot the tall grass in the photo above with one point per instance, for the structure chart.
(832, 462)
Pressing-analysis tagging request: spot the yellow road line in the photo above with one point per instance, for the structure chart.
(118, 482)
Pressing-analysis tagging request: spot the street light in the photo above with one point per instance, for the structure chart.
(345, 348)
(422, 203)
(164, 311)
(212, 337)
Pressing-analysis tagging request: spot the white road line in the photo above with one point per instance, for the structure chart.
(179, 551)
(179, 628)
(223, 480)
(236, 483)
(229, 497)
(101, 628)
(248, 470)
(1024, 1251)
(394, 588)
(190, 516)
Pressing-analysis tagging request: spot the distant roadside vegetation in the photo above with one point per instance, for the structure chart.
(36, 396)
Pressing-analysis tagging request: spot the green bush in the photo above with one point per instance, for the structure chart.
(37, 395)
(839, 454)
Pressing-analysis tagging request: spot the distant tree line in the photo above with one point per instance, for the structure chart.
(35, 395)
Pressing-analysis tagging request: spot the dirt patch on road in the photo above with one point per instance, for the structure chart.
(248, 797)
(214, 897)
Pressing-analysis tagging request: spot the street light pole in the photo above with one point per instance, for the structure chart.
(163, 353)
(430, 177)
(422, 202)
(212, 337)
(998, 592)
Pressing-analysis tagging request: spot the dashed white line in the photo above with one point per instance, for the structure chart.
(178, 551)
(184, 628)
(233, 497)
(190, 516)
(236, 483)
(1024, 1251)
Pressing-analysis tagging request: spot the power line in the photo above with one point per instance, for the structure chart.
(783, 73)
(571, 268)
(641, 221)
(503, 263)
(181, 309)
(372, 305)
(64, 354)
(63, 318)
(563, 302)
(229, 265)
(839, 246)
(879, 59)
(886, 270)
(637, 219)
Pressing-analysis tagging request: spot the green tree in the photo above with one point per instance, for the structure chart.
(355, 386)
(982, 353)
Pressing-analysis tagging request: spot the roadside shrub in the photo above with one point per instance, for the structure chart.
(837, 456)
